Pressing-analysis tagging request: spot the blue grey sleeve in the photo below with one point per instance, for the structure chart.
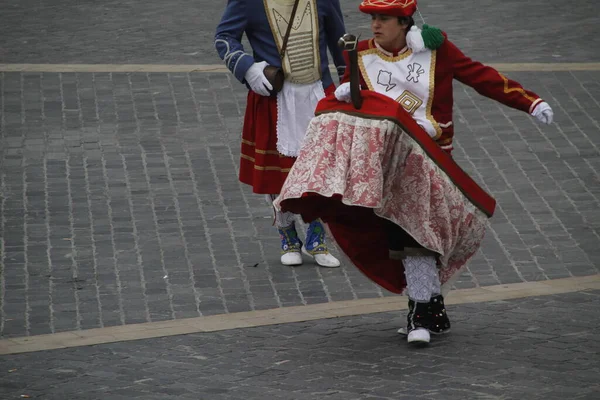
(228, 39)
(335, 29)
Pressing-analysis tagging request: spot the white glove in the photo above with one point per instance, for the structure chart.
(342, 93)
(257, 80)
(543, 113)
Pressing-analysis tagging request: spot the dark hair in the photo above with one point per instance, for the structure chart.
(409, 21)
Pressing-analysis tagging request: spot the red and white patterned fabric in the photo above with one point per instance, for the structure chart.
(357, 169)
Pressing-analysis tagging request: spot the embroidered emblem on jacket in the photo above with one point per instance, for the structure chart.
(385, 79)
(415, 70)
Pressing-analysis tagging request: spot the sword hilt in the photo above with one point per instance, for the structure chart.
(349, 43)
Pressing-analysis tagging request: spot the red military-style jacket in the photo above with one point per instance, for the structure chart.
(447, 63)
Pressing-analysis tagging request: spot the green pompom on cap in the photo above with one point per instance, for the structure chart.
(432, 37)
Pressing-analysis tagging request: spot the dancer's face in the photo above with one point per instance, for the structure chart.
(388, 31)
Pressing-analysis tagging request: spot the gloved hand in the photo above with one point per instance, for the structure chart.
(543, 113)
(257, 80)
(342, 92)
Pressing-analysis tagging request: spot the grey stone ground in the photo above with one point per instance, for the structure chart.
(120, 204)
(541, 348)
(181, 31)
(120, 200)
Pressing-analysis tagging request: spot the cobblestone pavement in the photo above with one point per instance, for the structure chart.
(540, 348)
(119, 194)
(181, 31)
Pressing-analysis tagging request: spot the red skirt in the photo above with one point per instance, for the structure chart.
(261, 165)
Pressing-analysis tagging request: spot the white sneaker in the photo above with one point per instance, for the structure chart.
(291, 258)
(419, 336)
(323, 259)
(404, 331)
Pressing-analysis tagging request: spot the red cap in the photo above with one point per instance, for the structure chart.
(395, 8)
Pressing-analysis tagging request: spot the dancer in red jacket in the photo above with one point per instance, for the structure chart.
(381, 176)
(417, 69)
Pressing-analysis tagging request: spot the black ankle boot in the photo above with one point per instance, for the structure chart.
(418, 322)
(440, 323)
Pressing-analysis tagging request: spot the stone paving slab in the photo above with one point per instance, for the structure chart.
(120, 200)
(182, 31)
(534, 348)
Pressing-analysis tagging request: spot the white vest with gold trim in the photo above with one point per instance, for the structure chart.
(408, 78)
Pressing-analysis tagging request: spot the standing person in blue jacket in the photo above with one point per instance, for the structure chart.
(276, 121)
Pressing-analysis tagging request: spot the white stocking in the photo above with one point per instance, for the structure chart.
(422, 278)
